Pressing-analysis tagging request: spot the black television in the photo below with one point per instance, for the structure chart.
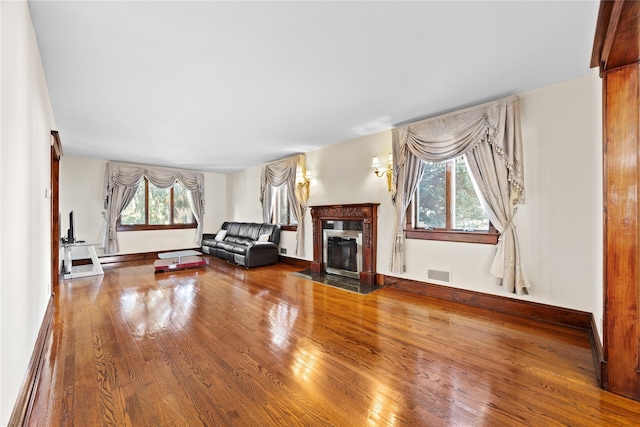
(71, 238)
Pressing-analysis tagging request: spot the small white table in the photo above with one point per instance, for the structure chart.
(178, 254)
(75, 251)
(178, 260)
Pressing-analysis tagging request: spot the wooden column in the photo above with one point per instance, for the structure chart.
(616, 52)
(621, 231)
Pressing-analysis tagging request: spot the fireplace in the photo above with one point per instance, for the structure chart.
(344, 240)
(342, 251)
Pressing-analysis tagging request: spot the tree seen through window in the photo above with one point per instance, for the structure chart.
(445, 199)
(153, 206)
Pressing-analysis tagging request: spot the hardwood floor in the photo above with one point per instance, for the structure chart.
(228, 346)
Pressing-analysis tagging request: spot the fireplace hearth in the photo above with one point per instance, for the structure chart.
(336, 281)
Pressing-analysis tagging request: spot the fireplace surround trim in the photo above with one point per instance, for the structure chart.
(365, 212)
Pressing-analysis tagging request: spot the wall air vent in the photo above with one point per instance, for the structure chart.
(439, 276)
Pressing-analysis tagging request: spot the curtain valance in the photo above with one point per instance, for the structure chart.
(276, 174)
(443, 138)
(489, 138)
(129, 175)
(122, 180)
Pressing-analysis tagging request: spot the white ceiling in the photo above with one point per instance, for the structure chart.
(222, 86)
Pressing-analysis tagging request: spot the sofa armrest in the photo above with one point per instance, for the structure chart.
(262, 244)
(261, 253)
(206, 236)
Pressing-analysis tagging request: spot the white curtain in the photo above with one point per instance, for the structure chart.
(282, 172)
(122, 182)
(489, 137)
(406, 180)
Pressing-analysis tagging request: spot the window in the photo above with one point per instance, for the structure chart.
(154, 208)
(446, 207)
(282, 213)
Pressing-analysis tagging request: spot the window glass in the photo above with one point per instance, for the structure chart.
(467, 211)
(446, 200)
(154, 208)
(181, 208)
(282, 210)
(135, 212)
(431, 211)
(159, 205)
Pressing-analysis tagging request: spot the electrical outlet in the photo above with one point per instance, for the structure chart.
(283, 250)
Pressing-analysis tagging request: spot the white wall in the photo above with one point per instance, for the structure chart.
(82, 190)
(560, 226)
(26, 121)
(243, 196)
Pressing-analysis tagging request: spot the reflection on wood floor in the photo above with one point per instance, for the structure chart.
(222, 345)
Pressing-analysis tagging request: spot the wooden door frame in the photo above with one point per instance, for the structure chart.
(56, 153)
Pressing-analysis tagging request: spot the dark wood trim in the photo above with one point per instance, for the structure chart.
(448, 194)
(489, 237)
(54, 182)
(173, 207)
(497, 303)
(482, 237)
(599, 53)
(296, 262)
(57, 144)
(142, 256)
(24, 403)
(596, 348)
(143, 227)
(616, 43)
(146, 207)
(289, 227)
(368, 214)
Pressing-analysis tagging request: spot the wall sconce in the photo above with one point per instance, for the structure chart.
(380, 172)
(303, 181)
